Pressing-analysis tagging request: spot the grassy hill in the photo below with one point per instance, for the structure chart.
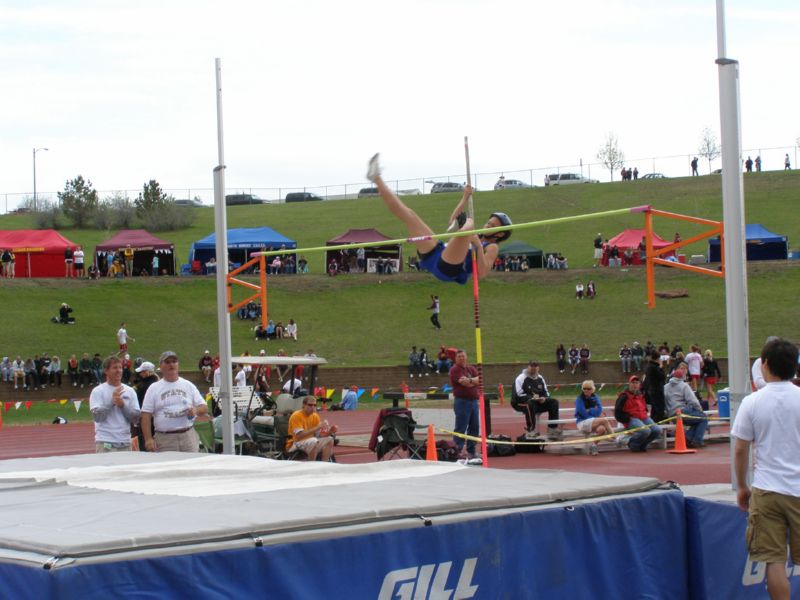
(355, 320)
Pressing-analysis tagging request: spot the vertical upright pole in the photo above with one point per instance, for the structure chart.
(223, 317)
(651, 278)
(733, 216)
(262, 266)
(476, 301)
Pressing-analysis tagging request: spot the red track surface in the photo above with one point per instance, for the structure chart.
(709, 465)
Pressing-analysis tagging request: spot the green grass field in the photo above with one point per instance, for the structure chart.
(361, 320)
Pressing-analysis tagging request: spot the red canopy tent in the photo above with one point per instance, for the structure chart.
(631, 238)
(371, 254)
(145, 246)
(37, 252)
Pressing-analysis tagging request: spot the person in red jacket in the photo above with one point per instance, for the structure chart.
(630, 410)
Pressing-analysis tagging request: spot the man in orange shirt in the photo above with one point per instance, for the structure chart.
(307, 432)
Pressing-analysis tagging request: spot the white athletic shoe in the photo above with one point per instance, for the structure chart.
(593, 450)
(374, 168)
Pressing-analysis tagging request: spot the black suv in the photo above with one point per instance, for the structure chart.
(239, 199)
(301, 197)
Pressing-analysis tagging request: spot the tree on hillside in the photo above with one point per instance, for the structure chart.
(709, 146)
(158, 210)
(151, 198)
(116, 211)
(78, 201)
(611, 155)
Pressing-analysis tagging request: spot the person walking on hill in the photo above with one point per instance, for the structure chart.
(435, 314)
(122, 338)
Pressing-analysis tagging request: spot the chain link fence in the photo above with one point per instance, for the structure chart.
(772, 159)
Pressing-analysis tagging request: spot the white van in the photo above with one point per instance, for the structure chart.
(566, 179)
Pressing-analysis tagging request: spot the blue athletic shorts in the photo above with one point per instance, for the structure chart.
(444, 271)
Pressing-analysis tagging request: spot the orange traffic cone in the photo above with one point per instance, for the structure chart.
(680, 439)
(431, 449)
(500, 393)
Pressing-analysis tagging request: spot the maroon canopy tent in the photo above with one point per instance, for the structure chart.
(346, 258)
(145, 246)
(37, 252)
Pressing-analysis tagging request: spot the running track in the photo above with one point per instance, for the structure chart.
(709, 465)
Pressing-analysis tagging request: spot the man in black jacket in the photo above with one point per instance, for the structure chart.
(530, 397)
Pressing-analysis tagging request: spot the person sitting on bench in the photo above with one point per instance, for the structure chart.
(530, 397)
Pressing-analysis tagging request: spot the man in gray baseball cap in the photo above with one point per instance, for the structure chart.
(171, 405)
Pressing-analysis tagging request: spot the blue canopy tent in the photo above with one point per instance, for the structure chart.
(762, 244)
(241, 242)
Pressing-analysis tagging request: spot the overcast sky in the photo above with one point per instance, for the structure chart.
(123, 92)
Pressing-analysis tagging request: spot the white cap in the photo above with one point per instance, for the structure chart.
(145, 366)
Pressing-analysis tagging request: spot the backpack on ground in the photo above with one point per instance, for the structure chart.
(529, 448)
(499, 449)
(619, 409)
(446, 451)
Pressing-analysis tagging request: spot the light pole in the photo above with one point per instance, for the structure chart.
(35, 150)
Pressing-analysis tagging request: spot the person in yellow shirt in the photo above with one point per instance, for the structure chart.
(307, 432)
(128, 252)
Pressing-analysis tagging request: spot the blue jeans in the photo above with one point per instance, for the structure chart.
(467, 421)
(695, 428)
(641, 439)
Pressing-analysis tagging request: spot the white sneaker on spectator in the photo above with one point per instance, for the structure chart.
(374, 168)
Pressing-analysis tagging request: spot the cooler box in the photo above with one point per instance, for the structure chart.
(724, 403)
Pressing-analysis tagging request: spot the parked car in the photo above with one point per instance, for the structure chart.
(654, 176)
(503, 184)
(240, 199)
(446, 186)
(566, 179)
(193, 202)
(368, 192)
(301, 197)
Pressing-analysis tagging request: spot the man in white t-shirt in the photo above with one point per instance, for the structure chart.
(114, 408)
(240, 379)
(122, 338)
(291, 385)
(769, 420)
(694, 362)
(172, 404)
(756, 377)
(78, 257)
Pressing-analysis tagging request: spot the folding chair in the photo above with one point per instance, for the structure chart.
(205, 431)
(396, 438)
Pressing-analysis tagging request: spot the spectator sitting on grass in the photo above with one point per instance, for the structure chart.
(291, 330)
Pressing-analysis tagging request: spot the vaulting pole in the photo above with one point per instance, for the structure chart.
(476, 301)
